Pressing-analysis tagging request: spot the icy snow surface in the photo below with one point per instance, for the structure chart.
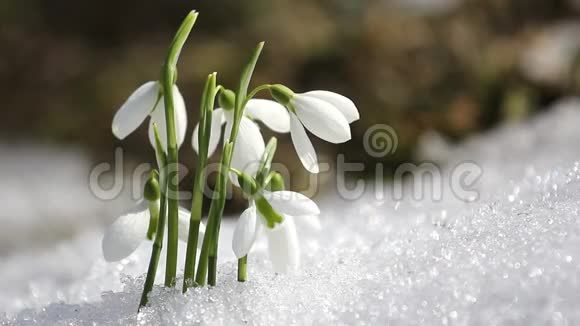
(511, 256)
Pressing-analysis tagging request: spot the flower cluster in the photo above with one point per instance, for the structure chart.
(246, 161)
(325, 114)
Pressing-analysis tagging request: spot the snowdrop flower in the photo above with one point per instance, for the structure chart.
(146, 101)
(249, 142)
(127, 232)
(274, 214)
(325, 114)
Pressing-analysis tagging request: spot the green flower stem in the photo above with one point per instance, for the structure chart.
(155, 253)
(242, 269)
(213, 248)
(158, 242)
(169, 76)
(208, 256)
(262, 180)
(207, 104)
(191, 254)
(212, 271)
(256, 90)
(214, 218)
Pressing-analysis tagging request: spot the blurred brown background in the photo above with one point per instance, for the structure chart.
(455, 66)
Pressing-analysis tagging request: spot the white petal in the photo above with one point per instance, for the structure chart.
(342, 103)
(283, 247)
(291, 203)
(229, 117)
(248, 149)
(183, 227)
(135, 110)
(308, 223)
(158, 117)
(180, 116)
(261, 224)
(245, 232)
(303, 146)
(322, 119)
(125, 234)
(271, 113)
(217, 122)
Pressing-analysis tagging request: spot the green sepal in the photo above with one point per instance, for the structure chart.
(153, 219)
(227, 99)
(281, 94)
(152, 190)
(275, 182)
(247, 183)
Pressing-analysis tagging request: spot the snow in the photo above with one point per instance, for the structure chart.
(509, 256)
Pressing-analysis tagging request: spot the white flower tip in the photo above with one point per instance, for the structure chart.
(291, 203)
(322, 119)
(123, 237)
(316, 210)
(245, 232)
(117, 132)
(342, 103)
(135, 110)
(347, 136)
(308, 222)
(238, 251)
(283, 247)
(312, 168)
(303, 145)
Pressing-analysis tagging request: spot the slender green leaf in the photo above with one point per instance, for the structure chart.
(266, 161)
(180, 38)
(207, 104)
(246, 77)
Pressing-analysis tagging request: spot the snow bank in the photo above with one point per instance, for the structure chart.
(510, 257)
